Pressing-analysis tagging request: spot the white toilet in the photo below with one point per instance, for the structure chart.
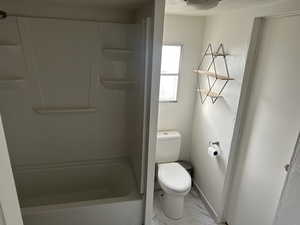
(174, 180)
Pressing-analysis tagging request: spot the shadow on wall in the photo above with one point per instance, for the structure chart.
(212, 122)
(221, 164)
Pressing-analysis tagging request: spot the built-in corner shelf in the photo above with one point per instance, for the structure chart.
(206, 92)
(8, 46)
(51, 110)
(111, 82)
(212, 74)
(119, 53)
(11, 82)
(117, 83)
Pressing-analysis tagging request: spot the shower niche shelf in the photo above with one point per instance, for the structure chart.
(110, 81)
(117, 53)
(8, 45)
(117, 83)
(212, 90)
(11, 82)
(51, 110)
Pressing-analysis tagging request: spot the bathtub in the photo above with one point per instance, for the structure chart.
(79, 194)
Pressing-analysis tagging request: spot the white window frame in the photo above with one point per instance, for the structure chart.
(174, 74)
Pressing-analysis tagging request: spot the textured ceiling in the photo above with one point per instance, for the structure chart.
(179, 7)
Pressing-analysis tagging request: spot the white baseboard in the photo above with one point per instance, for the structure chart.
(208, 205)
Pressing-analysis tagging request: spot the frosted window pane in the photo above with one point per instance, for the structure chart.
(168, 88)
(170, 59)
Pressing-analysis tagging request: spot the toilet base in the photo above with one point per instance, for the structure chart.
(172, 205)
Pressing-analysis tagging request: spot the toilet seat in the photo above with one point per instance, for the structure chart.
(173, 178)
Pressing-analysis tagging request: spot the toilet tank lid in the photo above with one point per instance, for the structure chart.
(168, 134)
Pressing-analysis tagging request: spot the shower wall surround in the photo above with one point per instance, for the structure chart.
(54, 106)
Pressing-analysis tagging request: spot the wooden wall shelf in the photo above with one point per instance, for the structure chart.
(208, 93)
(212, 74)
(215, 54)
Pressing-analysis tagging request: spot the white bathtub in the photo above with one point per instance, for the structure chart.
(80, 194)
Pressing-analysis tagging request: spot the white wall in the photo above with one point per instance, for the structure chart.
(214, 122)
(187, 31)
(289, 204)
(271, 125)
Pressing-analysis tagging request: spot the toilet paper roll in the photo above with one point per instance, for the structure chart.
(213, 151)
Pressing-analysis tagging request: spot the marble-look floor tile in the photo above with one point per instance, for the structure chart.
(195, 212)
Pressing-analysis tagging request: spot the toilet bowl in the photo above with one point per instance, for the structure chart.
(175, 182)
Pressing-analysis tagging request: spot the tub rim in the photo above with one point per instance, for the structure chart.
(133, 194)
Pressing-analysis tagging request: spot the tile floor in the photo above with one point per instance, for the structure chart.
(195, 212)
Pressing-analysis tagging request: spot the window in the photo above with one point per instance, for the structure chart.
(170, 64)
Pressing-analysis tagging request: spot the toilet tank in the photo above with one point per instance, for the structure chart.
(167, 146)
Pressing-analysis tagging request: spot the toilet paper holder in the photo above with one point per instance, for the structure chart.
(211, 143)
(214, 148)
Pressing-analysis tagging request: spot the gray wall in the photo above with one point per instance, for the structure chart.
(60, 62)
(188, 31)
(51, 9)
